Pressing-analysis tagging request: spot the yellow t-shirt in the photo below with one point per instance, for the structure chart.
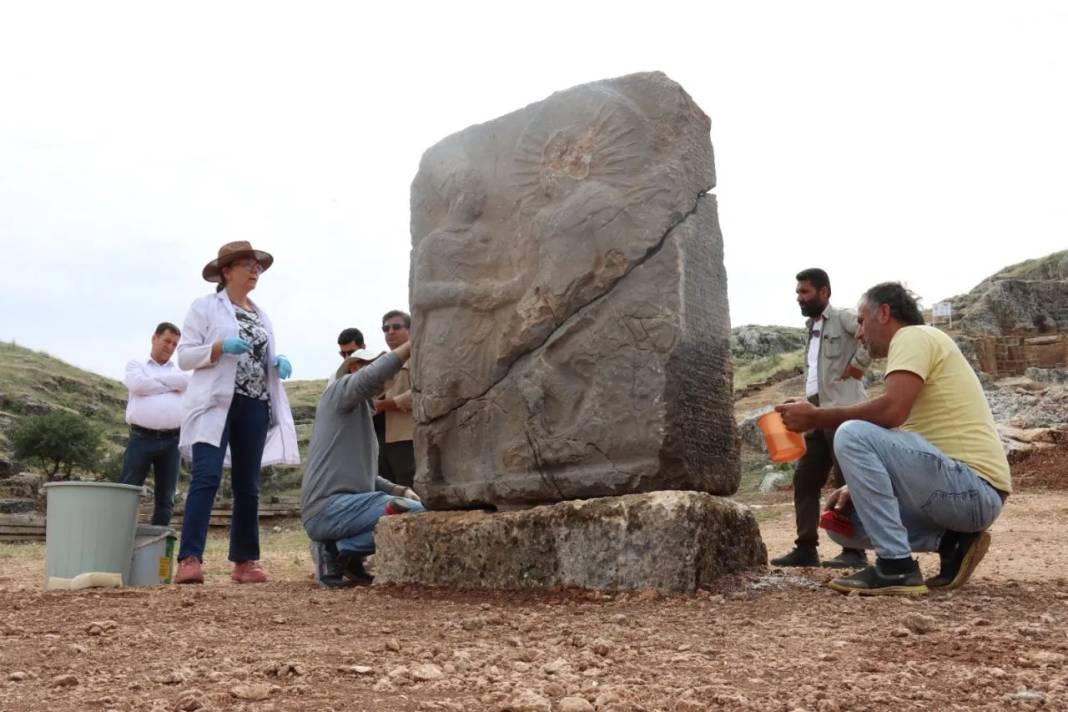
(951, 411)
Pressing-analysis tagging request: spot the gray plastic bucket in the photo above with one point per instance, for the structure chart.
(90, 527)
(153, 556)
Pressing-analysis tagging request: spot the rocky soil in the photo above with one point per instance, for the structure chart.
(778, 640)
(775, 640)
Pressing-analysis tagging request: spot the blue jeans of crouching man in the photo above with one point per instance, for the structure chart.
(906, 493)
(158, 451)
(350, 519)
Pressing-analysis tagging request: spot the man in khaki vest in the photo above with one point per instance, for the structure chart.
(393, 407)
(834, 366)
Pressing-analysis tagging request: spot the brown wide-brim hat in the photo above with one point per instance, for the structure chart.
(230, 252)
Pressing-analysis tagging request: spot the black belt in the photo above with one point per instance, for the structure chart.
(149, 432)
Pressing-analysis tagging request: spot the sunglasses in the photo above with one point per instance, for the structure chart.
(250, 265)
(386, 328)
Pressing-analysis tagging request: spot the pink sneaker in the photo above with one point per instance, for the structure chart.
(189, 571)
(248, 572)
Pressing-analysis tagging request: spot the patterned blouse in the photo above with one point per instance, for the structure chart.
(252, 366)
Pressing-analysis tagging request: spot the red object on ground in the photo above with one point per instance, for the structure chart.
(834, 521)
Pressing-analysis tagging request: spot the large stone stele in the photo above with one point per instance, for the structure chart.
(667, 541)
(570, 321)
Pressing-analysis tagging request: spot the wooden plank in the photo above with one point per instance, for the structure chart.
(21, 538)
(22, 530)
(264, 512)
(22, 519)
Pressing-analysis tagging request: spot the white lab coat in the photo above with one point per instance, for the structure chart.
(207, 400)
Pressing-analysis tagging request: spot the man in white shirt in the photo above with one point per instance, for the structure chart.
(154, 413)
(834, 368)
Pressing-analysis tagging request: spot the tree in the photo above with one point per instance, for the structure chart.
(58, 441)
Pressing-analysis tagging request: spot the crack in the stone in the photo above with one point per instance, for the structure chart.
(603, 454)
(649, 254)
(545, 476)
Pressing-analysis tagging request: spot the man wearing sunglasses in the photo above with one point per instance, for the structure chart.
(394, 424)
(349, 341)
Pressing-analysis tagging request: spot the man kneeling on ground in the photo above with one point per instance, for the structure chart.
(342, 496)
(923, 465)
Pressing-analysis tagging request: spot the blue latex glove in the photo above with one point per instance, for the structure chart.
(235, 345)
(285, 369)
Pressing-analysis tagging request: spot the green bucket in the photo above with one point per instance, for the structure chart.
(90, 527)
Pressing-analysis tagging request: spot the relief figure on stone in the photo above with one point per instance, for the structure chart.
(459, 266)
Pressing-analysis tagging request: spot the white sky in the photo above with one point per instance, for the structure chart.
(920, 141)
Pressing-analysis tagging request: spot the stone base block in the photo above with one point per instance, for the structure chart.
(666, 541)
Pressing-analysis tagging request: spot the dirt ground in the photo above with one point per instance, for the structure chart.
(773, 641)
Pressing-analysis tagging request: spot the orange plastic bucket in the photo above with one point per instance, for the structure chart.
(783, 445)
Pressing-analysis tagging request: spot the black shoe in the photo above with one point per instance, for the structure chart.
(958, 555)
(848, 559)
(800, 556)
(351, 565)
(327, 571)
(875, 581)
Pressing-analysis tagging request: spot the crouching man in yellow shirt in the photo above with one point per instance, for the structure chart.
(923, 465)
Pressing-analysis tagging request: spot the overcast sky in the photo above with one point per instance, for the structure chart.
(919, 141)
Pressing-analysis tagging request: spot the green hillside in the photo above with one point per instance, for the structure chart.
(34, 382)
(1051, 267)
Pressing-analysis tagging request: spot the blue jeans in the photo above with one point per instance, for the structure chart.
(350, 519)
(246, 433)
(161, 454)
(906, 493)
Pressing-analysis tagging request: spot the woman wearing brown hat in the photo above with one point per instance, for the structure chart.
(234, 399)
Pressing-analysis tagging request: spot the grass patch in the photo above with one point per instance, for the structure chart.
(1039, 267)
(304, 396)
(767, 514)
(754, 465)
(290, 540)
(22, 552)
(762, 369)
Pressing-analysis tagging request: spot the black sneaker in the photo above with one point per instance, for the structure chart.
(848, 559)
(959, 554)
(351, 565)
(327, 571)
(800, 556)
(874, 581)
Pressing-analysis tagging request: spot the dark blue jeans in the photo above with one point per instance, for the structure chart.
(245, 433)
(161, 454)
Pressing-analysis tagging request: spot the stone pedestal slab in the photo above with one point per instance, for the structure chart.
(666, 541)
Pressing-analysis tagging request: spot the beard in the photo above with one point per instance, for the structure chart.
(811, 308)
